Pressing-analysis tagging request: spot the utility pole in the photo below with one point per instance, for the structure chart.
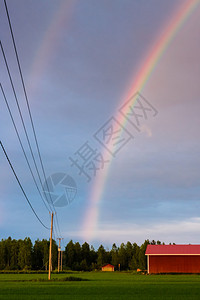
(50, 248)
(59, 250)
(61, 260)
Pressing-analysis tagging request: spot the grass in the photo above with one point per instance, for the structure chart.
(99, 285)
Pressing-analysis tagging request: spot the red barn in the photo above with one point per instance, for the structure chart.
(173, 259)
(108, 267)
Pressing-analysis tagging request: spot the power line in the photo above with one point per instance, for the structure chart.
(21, 117)
(20, 141)
(12, 168)
(23, 84)
(20, 113)
(29, 110)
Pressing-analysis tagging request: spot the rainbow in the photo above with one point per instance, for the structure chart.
(50, 43)
(138, 83)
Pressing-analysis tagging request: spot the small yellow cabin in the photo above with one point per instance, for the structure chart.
(108, 268)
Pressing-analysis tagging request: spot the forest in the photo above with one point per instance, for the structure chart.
(24, 255)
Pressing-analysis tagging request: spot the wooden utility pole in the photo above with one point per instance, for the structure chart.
(50, 248)
(59, 250)
(61, 260)
(58, 260)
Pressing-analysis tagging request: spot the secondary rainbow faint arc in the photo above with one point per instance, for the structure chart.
(171, 30)
(51, 42)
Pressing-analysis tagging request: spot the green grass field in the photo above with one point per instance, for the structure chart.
(100, 286)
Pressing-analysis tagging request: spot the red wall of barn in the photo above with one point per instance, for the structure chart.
(174, 263)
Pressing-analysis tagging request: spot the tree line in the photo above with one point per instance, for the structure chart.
(24, 255)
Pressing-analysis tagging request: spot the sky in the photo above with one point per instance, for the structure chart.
(80, 60)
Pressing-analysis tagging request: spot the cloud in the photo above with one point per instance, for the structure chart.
(184, 231)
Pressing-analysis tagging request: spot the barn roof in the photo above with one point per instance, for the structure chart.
(173, 250)
(107, 265)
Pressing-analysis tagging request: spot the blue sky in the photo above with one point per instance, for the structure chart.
(78, 60)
